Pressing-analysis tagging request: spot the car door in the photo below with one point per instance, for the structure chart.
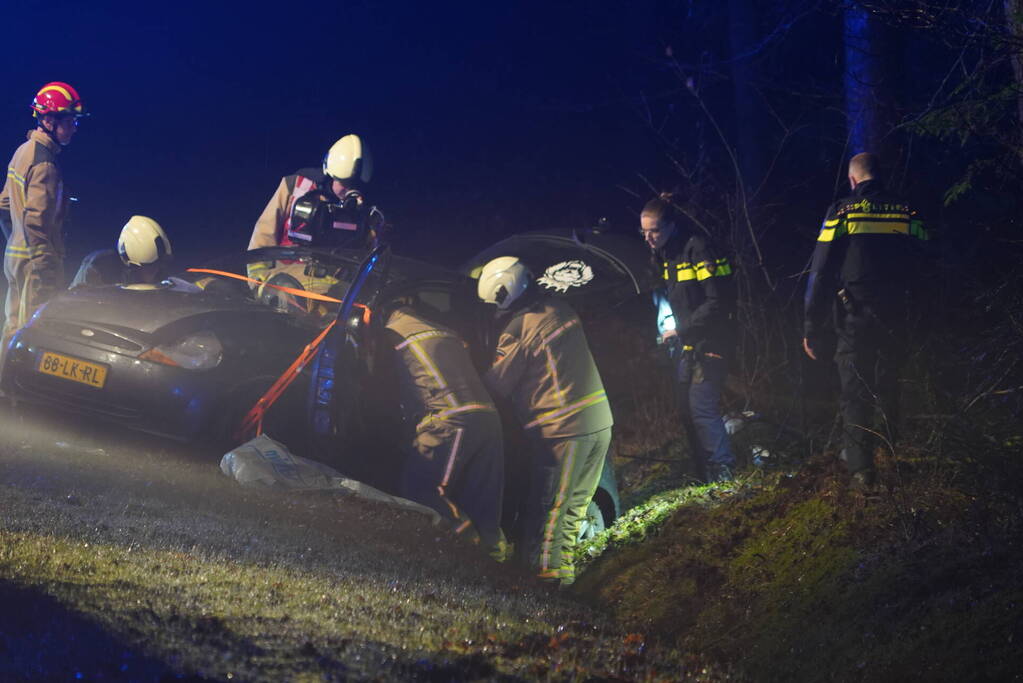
(339, 373)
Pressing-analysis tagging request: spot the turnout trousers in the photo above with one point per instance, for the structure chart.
(700, 383)
(29, 285)
(869, 357)
(563, 476)
(456, 467)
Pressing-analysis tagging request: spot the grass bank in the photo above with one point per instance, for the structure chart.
(796, 577)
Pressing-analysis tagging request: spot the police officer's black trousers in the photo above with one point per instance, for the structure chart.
(869, 356)
(701, 379)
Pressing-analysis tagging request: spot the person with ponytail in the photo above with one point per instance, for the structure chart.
(700, 290)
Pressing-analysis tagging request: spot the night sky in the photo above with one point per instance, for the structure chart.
(483, 118)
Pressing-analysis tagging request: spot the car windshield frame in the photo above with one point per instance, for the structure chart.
(232, 276)
(234, 272)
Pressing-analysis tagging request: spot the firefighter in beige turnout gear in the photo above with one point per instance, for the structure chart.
(34, 196)
(346, 165)
(544, 367)
(456, 461)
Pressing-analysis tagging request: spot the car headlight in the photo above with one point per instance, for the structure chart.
(199, 351)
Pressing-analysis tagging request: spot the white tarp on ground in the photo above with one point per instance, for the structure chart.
(263, 462)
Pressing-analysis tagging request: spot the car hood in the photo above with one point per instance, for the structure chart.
(146, 308)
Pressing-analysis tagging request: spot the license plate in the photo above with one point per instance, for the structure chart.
(74, 369)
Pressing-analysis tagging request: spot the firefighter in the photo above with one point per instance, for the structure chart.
(142, 256)
(347, 165)
(456, 461)
(862, 267)
(34, 197)
(543, 367)
(699, 286)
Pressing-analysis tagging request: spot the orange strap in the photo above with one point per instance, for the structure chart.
(253, 420)
(301, 293)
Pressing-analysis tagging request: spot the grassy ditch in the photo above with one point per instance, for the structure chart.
(799, 578)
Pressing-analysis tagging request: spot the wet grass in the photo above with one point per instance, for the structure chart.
(230, 619)
(219, 618)
(138, 564)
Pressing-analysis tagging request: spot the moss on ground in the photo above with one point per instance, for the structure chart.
(799, 578)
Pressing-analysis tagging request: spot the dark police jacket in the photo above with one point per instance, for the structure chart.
(866, 255)
(701, 290)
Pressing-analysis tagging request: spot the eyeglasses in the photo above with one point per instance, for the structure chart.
(655, 231)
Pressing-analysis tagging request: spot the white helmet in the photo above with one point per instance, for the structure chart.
(348, 159)
(503, 280)
(142, 241)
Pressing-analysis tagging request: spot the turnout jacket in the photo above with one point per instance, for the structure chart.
(866, 254)
(271, 229)
(436, 374)
(33, 194)
(701, 291)
(543, 366)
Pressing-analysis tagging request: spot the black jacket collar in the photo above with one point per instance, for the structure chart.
(675, 244)
(868, 187)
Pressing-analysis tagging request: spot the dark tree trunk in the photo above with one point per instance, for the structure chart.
(742, 35)
(1014, 21)
(867, 86)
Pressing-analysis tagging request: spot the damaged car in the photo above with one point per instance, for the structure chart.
(202, 356)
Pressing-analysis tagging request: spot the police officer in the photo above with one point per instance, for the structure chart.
(543, 367)
(862, 266)
(699, 287)
(142, 255)
(456, 461)
(33, 196)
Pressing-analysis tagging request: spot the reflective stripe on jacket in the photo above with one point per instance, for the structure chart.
(700, 287)
(543, 365)
(867, 246)
(438, 379)
(271, 230)
(33, 193)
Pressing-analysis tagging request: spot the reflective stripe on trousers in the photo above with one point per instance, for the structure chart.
(458, 470)
(564, 474)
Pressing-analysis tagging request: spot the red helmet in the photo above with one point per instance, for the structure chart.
(57, 98)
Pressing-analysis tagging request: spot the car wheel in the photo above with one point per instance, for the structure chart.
(593, 523)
